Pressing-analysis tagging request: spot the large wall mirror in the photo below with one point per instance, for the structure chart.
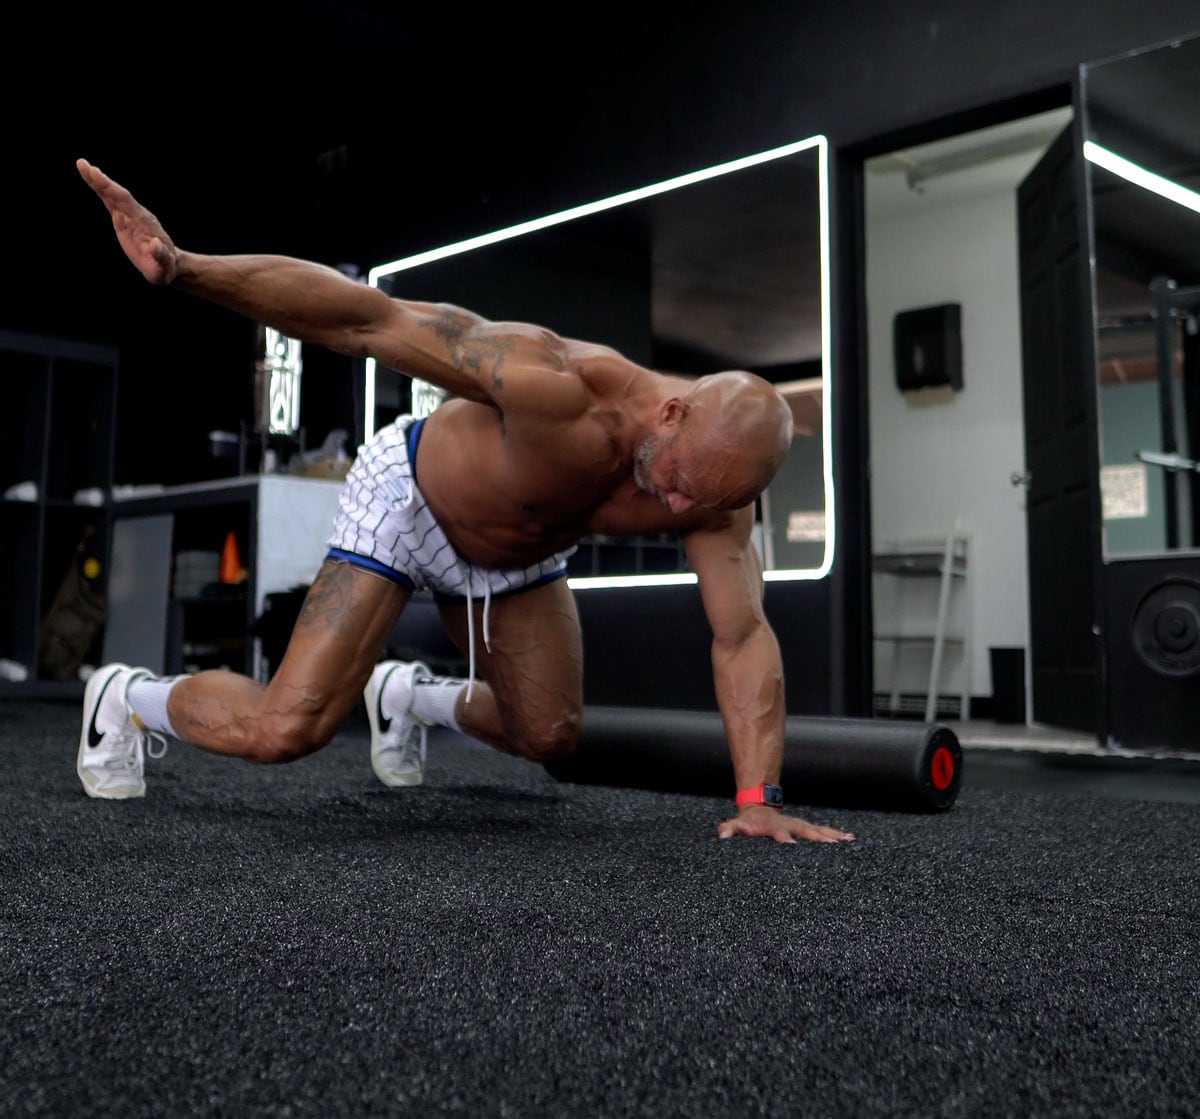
(1141, 119)
(725, 268)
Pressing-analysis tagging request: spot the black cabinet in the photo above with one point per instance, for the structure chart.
(169, 609)
(57, 440)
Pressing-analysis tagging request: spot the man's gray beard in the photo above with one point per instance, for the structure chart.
(643, 458)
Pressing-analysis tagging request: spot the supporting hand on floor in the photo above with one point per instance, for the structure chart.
(759, 820)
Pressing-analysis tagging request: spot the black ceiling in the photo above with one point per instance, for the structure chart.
(360, 130)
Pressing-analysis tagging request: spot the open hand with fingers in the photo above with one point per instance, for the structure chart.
(139, 232)
(760, 820)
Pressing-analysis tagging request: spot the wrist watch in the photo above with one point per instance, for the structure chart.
(770, 795)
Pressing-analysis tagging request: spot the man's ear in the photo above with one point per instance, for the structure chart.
(673, 411)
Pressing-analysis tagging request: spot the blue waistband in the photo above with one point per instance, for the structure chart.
(414, 437)
(442, 598)
(373, 565)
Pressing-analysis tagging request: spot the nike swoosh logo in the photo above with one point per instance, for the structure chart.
(385, 723)
(94, 736)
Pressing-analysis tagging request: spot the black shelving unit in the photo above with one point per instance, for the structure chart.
(210, 628)
(57, 444)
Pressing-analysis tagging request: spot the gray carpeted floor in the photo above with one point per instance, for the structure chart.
(301, 941)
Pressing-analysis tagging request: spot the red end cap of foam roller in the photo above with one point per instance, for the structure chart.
(941, 768)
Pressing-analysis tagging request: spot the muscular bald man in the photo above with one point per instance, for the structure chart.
(544, 440)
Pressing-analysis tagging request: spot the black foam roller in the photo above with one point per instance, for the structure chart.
(893, 765)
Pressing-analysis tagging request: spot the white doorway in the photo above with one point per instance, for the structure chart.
(941, 229)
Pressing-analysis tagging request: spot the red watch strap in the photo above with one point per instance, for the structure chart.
(752, 795)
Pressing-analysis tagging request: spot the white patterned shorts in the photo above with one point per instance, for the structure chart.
(384, 525)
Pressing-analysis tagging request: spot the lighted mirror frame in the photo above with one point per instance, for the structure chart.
(1134, 173)
(820, 145)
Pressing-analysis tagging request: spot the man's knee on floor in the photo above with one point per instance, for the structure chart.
(545, 739)
(282, 737)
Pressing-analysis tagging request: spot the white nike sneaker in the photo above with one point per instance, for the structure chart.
(398, 738)
(112, 747)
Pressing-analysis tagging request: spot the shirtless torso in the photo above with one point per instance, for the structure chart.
(511, 488)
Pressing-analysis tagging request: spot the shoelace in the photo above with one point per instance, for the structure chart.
(405, 745)
(147, 738)
(128, 759)
(138, 733)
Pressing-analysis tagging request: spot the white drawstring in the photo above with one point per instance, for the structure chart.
(470, 643)
(487, 602)
(487, 639)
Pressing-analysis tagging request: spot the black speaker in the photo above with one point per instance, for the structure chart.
(1152, 653)
(928, 347)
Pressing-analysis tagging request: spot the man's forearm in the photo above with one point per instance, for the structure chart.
(301, 299)
(750, 694)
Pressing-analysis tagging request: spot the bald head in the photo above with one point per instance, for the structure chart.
(743, 426)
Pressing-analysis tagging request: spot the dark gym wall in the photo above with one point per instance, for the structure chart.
(360, 131)
(649, 647)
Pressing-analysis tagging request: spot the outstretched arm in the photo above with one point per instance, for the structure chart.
(505, 364)
(747, 673)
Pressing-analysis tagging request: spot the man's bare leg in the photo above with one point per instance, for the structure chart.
(343, 624)
(529, 700)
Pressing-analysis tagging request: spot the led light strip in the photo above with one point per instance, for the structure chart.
(786, 575)
(1139, 176)
(407, 262)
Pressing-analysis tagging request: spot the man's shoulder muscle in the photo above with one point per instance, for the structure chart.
(529, 369)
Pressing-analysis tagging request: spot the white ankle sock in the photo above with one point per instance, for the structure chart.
(433, 703)
(147, 699)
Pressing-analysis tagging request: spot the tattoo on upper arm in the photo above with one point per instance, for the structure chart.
(469, 349)
(330, 598)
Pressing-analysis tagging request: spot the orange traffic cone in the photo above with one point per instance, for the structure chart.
(231, 565)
